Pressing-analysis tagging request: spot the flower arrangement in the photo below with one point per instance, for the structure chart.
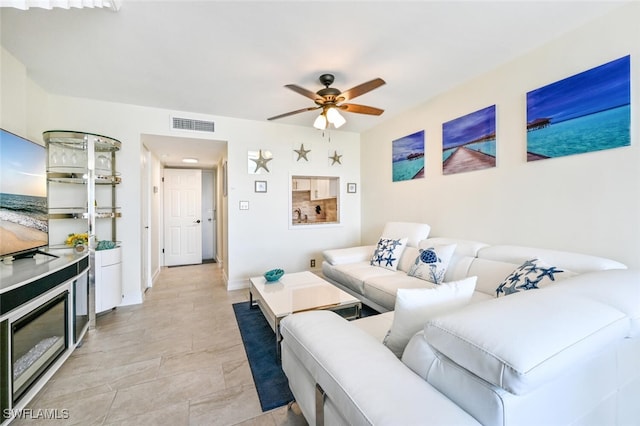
(77, 239)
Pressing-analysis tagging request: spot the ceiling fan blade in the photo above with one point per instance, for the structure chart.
(298, 111)
(304, 92)
(360, 90)
(361, 109)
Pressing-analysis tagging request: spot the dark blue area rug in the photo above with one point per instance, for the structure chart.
(260, 344)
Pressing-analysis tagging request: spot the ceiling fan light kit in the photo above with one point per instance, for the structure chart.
(334, 117)
(329, 115)
(321, 122)
(331, 100)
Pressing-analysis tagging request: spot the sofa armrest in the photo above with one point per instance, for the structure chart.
(363, 380)
(348, 255)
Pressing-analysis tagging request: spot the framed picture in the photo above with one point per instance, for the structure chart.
(261, 186)
(469, 142)
(351, 188)
(590, 111)
(408, 157)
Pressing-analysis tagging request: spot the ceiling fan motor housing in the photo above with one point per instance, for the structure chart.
(329, 94)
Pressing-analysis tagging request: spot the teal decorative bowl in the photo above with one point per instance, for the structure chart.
(273, 275)
(105, 245)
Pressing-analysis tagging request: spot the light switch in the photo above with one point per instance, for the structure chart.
(244, 205)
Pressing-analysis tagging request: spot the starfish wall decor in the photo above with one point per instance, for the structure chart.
(302, 153)
(261, 161)
(335, 158)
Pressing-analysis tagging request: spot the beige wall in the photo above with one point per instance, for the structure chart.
(588, 203)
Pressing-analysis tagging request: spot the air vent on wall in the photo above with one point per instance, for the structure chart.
(178, 123)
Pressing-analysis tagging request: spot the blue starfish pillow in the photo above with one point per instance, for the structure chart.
(532, 274)
(388, 252)
(432, 263)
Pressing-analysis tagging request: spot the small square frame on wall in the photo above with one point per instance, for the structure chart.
(352, 188)
(260, 186)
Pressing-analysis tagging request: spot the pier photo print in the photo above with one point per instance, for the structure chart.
(469, 142)
(590, 111)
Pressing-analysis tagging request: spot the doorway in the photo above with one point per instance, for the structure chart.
(209, 221)
(182, 217)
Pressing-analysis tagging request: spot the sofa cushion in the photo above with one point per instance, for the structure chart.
(382, 289)
(353, 275)
(532, 274)
(541, 334)
(388, 252)
(414, 307)
(414, 232)
(375, 325)
(432, 262)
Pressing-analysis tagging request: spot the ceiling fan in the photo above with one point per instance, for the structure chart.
(330, 100)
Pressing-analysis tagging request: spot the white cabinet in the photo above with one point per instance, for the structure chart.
(108, 278)
(323, 188)
(301, 184)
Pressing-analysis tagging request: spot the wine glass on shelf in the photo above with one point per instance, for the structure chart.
(102, 162)
(64, 158)
(54, 157)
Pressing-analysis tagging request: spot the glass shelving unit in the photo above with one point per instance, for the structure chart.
(81, 187)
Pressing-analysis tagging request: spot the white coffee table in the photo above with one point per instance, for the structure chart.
(298, 292)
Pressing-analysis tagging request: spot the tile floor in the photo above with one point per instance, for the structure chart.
(177, 359)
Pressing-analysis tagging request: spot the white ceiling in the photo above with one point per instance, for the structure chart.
(232, 58)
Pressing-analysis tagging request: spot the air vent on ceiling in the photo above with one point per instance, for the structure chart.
(178, 123)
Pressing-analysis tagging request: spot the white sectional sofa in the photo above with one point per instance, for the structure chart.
(567, 353)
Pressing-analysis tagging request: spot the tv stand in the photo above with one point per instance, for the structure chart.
(31, 253)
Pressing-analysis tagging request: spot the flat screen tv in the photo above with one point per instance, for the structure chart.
(24, 221)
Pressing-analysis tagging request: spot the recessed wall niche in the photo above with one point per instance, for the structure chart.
(315, 200)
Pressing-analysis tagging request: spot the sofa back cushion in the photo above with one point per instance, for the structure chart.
(527, 339)
(490, 274)
(618, 288)
(414, 232)
(575, 262)
(464, 254)
(408, 258)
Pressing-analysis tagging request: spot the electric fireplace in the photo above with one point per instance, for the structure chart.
(38, 338)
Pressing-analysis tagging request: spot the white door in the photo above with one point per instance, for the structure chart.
(182, 217)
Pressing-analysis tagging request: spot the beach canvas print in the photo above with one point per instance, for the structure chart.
(408, 157)
(590, 111)
(469, 142)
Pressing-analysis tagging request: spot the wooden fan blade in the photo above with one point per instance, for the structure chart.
(298, 111)
(361, 109)
(304, 92)
(360, 90)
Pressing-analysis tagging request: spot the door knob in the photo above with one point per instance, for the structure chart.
(198, 221)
